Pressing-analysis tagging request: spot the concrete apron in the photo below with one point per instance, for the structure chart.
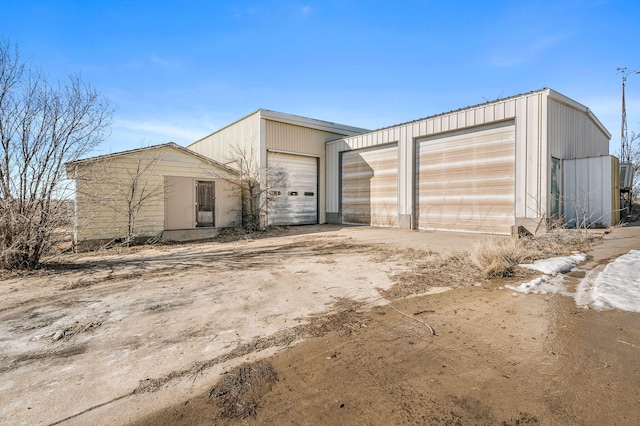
(619, 241)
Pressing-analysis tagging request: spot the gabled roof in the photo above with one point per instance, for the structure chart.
(296, 120)
(172, 145)
(312, 123)
(550, 92)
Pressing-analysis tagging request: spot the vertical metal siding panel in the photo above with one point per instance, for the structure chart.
(423, 127)
(332, 176)
(430, 127)
(444, 123)
(488, 114)
(453, 121)
(404, 174)
(569, 189)
(522, 154)
(499, 111)
(470, 118)
(479, 116)
(462, 119)
(510, 108)
(535, 158)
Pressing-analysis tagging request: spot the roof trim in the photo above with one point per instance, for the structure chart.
(566, 100)
(549, 92)
(296, 120)
(312, 123)
(149, 148)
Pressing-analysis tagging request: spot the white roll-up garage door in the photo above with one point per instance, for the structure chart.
(370, 187)
(466, 181)
(293, 189)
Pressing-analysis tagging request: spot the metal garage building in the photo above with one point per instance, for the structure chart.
(490, 168)
(281, 145)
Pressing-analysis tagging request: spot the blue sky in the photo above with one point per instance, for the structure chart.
(178, 70)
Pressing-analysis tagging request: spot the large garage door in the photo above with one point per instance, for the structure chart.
(466, 182)
(370, 187)
(293, 189)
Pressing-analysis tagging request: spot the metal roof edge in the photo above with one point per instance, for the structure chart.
(577, 105)
(312, 123)
(459, 110)
(148, 148)
(224, 127)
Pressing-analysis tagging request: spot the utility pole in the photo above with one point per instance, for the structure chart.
(625, 149)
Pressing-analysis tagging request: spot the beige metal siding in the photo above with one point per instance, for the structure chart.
(224, 145)
(293, 189)
(102, 188)
(370, 187)
(573, 134)
(466, 181)
(297, 139)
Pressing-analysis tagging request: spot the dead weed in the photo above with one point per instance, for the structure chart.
(238, 393)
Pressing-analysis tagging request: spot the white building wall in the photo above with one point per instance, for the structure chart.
(588, 191)
(547, 124)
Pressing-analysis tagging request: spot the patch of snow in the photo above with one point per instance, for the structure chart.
(615, 287)
(541, 285)
(550, 282)
(554, 265)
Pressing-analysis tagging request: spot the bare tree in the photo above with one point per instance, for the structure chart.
(633, 158)
(42, 127)
(258, 185)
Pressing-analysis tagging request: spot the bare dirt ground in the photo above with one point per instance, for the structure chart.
(317, 325)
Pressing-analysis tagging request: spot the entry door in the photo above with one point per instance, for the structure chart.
(556, 185)
(205, 204)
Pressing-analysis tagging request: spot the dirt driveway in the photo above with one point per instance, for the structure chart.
(143, 336)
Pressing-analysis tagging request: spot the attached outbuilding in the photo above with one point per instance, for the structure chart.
(163, 191)
(287, 155)
(493, 168)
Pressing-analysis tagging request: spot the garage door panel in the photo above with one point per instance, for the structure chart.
(466, 182)
(293, 189)
(370, 187)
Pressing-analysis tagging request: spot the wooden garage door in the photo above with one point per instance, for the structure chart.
(293, 189)
(370, 187)
(466, 182)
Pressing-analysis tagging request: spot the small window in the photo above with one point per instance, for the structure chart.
(309, 194)
(293, 193)
(274, 193)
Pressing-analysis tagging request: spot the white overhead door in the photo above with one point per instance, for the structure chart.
(293, 189)
(466, 181)
(370, 187)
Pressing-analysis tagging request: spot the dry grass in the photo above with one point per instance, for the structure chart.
(499, 257)
(238, 393)
(428, 269)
